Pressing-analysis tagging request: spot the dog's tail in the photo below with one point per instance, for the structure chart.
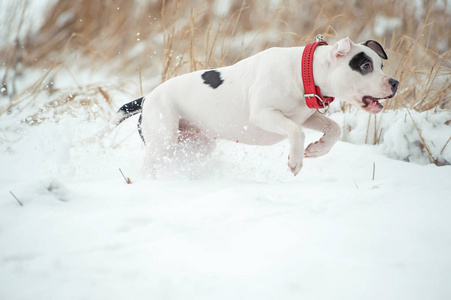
(126, 111)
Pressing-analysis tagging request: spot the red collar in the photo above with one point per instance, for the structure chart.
(312, 93)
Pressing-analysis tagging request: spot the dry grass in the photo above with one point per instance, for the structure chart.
(69, 101)
(141, 40)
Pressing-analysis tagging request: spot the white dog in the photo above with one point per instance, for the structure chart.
(263, 99)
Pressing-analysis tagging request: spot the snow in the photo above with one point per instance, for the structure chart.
(420, 137)
(236, 225)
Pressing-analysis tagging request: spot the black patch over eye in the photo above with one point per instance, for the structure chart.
(361, 63)
(212, 78)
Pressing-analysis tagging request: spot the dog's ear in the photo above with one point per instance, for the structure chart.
(342, 47)
(376, 47)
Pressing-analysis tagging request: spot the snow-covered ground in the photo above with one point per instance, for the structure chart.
(237, 225)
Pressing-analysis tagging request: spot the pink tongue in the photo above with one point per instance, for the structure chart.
(374, 107)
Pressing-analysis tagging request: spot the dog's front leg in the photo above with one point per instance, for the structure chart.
(331, 132)
(273, 120)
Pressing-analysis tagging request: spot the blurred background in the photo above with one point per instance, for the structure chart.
(58, 54)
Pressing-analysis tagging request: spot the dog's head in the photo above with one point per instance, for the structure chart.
(356, 74)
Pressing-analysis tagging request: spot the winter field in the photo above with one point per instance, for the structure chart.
(238, 226)
(369, 220)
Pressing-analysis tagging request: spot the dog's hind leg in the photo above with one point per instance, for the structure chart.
(193, 141)
(160, 125)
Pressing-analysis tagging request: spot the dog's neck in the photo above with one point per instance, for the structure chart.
(321, 66)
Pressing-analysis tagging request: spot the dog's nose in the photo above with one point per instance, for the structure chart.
(394, 85)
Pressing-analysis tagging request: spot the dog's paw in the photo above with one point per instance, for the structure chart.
(316, 149)
(295, 165)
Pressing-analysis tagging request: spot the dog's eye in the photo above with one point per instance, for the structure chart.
(366, 66)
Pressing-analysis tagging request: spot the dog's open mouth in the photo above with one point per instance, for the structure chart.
(372, 104)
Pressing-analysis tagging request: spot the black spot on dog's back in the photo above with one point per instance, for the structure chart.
(212, 78)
